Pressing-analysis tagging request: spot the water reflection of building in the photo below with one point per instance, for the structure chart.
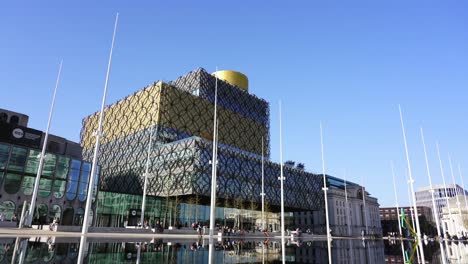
(63, 184)
(424, 198)
(359, 214)
(181, 112)
(455, 222)
(64, 250)
(389, 218)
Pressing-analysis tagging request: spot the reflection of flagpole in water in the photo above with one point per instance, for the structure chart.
(442, 252)
(263, 253)
(210, 251)
(283, 250)
(325, 190)
(139, 254)
(22, 256)
(81, 252)
(351, 251)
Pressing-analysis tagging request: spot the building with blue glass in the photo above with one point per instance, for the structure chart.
(64, 180)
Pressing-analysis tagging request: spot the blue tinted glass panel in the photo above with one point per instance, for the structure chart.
(73, 177)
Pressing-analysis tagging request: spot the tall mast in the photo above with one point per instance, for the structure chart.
(263, 189)
(396, 198)
(434, 207)
(281, 172)
(214, 162)
(99, 134)
(146, 175)
(364, 206)
(283, 245)
(456, 192)
(445, 190)
(463, 186)
(347, 205)
(325, 190)
(411, 181)
(42, 155)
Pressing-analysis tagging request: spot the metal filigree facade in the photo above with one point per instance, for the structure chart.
(182, 115)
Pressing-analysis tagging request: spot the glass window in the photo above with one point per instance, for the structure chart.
(45, 185)
(63, 164)
(12, 183)
(73, 177)
(27, 185)
(49, 165)
(33, 162)
(84, 178)
(4, 153)
(59, 188)
(7, 209)
(17, 159)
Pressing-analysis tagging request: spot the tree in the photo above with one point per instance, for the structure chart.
(300, 166)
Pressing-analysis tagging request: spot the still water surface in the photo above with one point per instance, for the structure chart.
(251, 250)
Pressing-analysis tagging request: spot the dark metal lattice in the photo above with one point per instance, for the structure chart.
(183, 118)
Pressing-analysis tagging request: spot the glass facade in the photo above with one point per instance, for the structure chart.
(120, 210)
(61, 175)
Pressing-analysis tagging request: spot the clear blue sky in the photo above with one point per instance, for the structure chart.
(345, 63)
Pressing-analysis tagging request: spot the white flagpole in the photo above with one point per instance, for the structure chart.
(434, 207)
(99, 134)
(347, 205)
(365, 207)
(411, 181)
(445, 190)
(143, 202)
(456, 194)
(281, 172)
(463, 186)
(325, 189)
(42, 155)
(396, 198)
(214, 162)
(263, 190)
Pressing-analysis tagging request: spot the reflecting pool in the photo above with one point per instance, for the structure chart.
(248, 250)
